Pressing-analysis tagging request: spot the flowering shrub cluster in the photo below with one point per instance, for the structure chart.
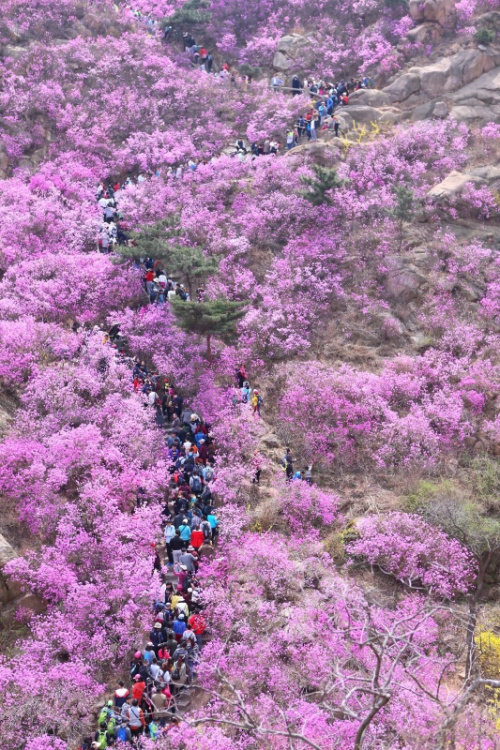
(301, 654)
(416, 553)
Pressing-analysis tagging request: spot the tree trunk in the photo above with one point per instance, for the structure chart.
(209, 347)
(360, 735)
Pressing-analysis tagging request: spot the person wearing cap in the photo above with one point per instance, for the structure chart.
(156, 635)
(182, 607)
(136, 664)
(138, 688)
(179, 627)
(105, 712)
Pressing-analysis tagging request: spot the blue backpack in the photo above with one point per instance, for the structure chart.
(121, 734)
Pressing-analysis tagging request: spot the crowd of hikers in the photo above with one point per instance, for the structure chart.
(146, 701)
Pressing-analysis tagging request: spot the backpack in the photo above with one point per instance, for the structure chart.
(103, 716)
(195, 484)
(121, 734)
(154, 730)
(102, 740)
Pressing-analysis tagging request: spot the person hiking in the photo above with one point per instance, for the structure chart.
(198, 625)
(136, 720)
(169, 533)
(138, 688)
(101, 736)
(189, 560)
(276, 83)
(177, 546)
(296, 85)
(287, 464)
(121, 694)
(256, 402)
(185, 532)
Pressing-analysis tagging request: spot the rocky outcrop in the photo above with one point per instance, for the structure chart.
(452, 186)
(366, 115)
(444, 76)
(403, 87)
(479, 100)
(290, 51)
(370, 98)
(441, 12)
(488, 173)
(425, 33)
(403, 279)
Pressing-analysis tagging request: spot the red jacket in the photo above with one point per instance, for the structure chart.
(138, 689)
(197, 538)
(197, 624)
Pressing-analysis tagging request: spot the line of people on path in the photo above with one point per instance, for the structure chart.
(147, 702)
(245, 394)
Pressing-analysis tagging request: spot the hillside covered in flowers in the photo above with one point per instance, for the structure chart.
(250, 375)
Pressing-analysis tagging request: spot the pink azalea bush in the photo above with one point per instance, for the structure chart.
(293, 639)
(418, 555)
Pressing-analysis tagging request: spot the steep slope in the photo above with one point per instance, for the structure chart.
(351, 604)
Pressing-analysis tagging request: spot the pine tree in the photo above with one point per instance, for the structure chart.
(325, 179)
(192, 12)
(160, 241)
(214, 318)
(404, 209)
(190, 264)
(153, 240)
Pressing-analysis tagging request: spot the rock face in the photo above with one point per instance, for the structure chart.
(290, 51)
(440, 11)
(452, 185)
(425, 33)
(370, 98)
(366, 115)
(403, 87)
(403, 280)
(478, 100)
(451, 73)
(469, 79)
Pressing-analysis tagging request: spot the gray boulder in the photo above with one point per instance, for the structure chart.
(403, 279)
(290, 50)
(425, 33)
(370, 98)
(451, 73)
(451, 186)
(440, 110)
(403, 87)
